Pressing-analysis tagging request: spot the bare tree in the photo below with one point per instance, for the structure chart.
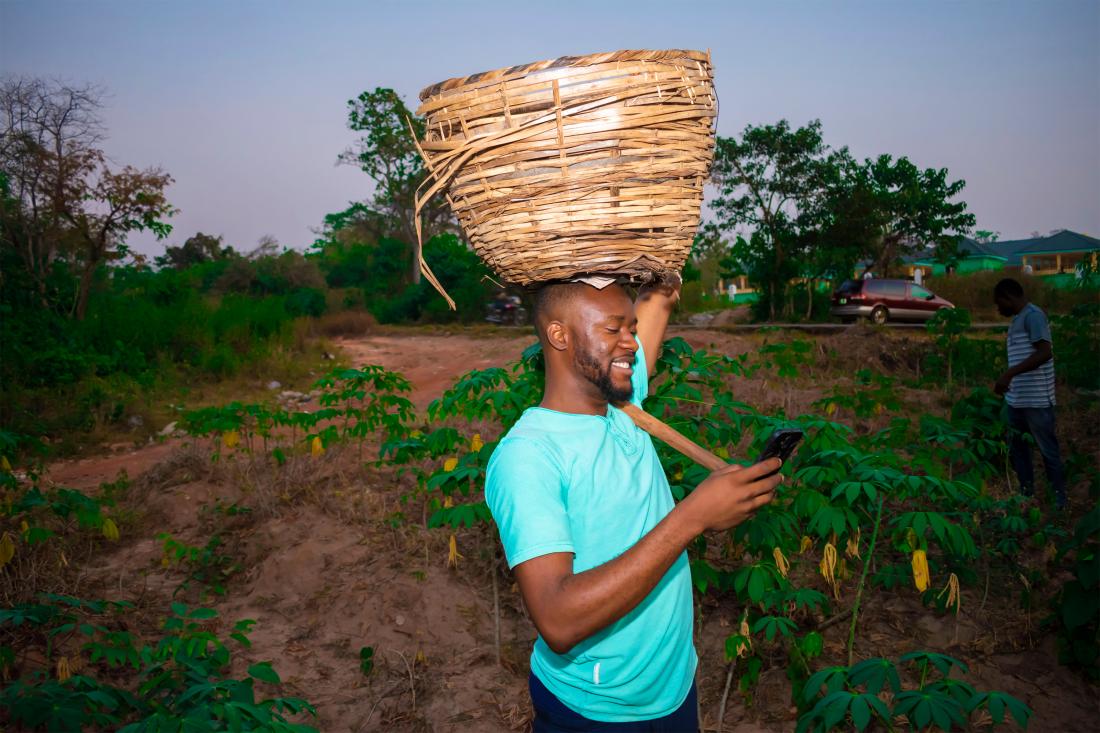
(60, 197)
(48, 140)
(266, 246)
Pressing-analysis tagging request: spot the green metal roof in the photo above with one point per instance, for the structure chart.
(1012, 250)
(974, 248)
(1062, 242)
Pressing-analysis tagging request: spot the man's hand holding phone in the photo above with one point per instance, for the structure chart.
(731, 495)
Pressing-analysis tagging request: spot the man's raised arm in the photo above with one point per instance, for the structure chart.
(652, 309)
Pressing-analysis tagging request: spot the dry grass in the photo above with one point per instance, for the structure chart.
(346, 323)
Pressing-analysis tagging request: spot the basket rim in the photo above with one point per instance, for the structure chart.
(521, 70)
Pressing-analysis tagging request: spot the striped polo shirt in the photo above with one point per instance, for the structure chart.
(1034, 388)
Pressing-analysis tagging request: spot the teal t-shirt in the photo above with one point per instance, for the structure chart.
(593, 486)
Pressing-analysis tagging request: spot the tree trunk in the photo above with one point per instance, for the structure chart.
(85, 286)
(810, 298)
(410, 234)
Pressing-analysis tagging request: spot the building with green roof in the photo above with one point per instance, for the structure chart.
(1057, 255)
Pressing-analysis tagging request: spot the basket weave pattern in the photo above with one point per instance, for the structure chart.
(580, 165)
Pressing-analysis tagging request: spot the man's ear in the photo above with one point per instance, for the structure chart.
(556, 336)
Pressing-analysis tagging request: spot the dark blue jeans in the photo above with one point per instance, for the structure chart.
(1038, 422)
(552, 716)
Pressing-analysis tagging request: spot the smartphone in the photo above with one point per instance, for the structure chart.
(780, 445)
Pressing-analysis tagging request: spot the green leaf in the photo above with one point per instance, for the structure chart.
(263, 671)
(756, 586)
(812, 645)
(876, 674)
(833, 678)
(942, 662)
(996, 703)
(836, 706)
(861, 712)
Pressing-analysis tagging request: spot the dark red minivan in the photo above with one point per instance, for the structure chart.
(885, 300)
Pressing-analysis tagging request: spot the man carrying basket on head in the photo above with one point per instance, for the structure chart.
(574, 167)
(588, 523)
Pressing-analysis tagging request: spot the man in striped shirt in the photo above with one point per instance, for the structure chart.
(1028, 389)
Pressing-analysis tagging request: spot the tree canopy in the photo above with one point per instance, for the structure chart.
(801, 210)
(63, 203)
(387, 153)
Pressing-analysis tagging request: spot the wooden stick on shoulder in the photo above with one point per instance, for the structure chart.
(673, 438)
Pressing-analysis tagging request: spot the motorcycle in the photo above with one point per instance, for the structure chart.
(507, 312)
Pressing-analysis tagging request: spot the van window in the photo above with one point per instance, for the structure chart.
(849, 287)
(920, 293)
(893, 288)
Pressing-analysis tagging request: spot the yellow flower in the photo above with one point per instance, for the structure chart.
(448, 502)
(852, 550)
(4, 464)
(476, 443)
(920, 570)
(452, 553)
(781, 561)
(110, 529)
(450, 464)
(230, 438)
(830, 408)
(954, 594)
(828, 568)
(745, 646)
(805, 545)
(63, 671)
(316, 447)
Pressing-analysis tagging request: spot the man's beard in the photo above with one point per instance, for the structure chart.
(600, 376)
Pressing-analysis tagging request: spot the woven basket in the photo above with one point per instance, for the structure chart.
(578, 166)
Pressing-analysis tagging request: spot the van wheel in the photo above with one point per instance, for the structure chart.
(879, 315)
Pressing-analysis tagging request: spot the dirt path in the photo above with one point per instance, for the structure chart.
(432, 362)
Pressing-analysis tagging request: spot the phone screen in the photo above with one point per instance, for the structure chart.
(780, 445)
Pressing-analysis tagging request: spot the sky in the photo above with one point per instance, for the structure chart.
(244, 103)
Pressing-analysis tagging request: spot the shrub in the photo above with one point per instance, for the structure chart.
(691, 296)
(974, 292)
(346, 323)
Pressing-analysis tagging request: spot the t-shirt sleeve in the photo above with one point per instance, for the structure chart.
(640, 379)
(1037, 325)
(525, 491)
